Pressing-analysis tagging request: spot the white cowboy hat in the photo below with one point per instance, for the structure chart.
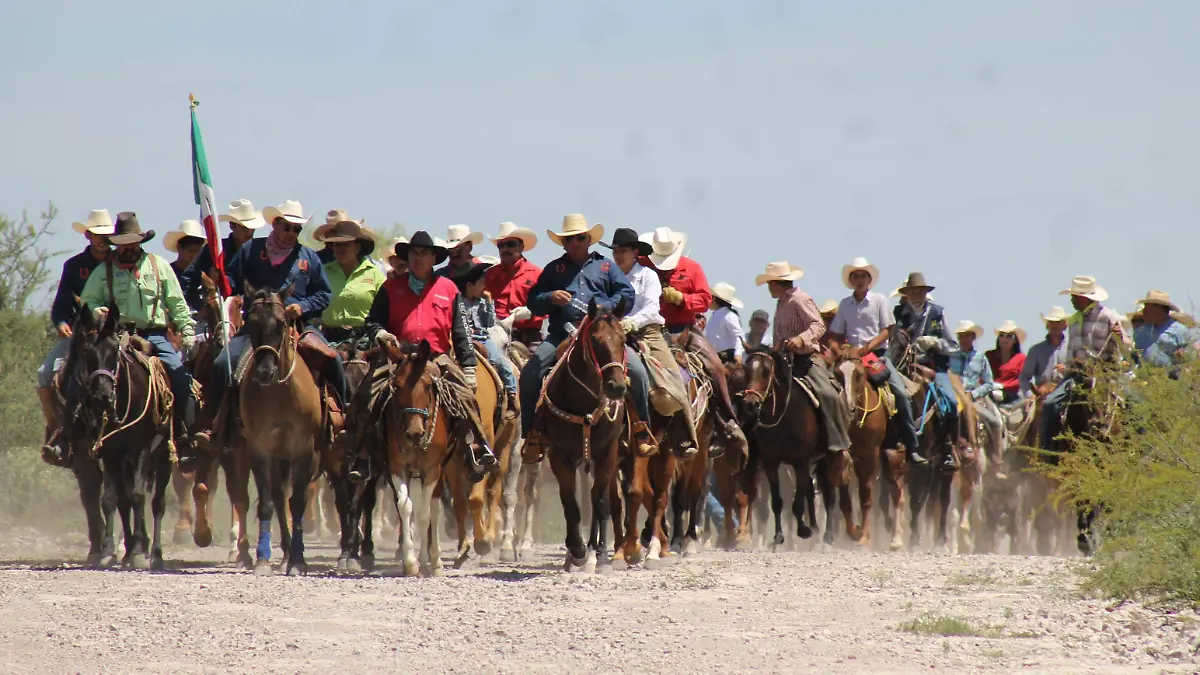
(1088, 288)
(457, 234)
(98, 222)
(856, 265)
(573, 224)
(1011, 326)
(486, 260)
(726, 292)
(968, 326)
(242, 211)
(291, 211)
(1056, 313)
(779, 271)
(667, 247)
(829, 307)
(1158, 298)
(188, 228)
(511, 231)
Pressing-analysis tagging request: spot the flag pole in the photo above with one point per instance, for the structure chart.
(204, 199)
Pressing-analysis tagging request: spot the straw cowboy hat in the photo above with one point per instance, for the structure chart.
(241, 211)
(829, 307)
(347, 230)
(98, 222)
(291, 211)
(968, 326)
(1158, 298)
(188, 228)
(333, 217)
(573, 224)
(1086, 287)
(859, 264)
(511, 231)
(914, 280)
(421, 239)
(726, 292)
(778, 271)
(667, 247)
(128, 231)
(458, 234)
(1011, 326)
(1056, 313)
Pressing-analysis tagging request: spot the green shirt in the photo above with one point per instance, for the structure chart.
(148, 295)
(353, 295)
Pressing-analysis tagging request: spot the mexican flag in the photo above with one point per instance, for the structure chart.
(202, 188)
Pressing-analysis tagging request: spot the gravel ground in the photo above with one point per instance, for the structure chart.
(833, 610)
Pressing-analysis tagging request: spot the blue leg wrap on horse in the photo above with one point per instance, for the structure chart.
(263, 550)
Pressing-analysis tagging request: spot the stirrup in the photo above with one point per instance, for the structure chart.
(360, 470)
(55, 455)
(686, 451)
(532, 450)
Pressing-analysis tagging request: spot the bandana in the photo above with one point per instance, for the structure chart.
(416, 284)
(277, 252)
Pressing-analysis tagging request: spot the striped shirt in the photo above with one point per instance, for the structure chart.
(1096, 333)
(796, 314)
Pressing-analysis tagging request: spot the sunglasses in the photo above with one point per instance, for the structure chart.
(578, 237)
(294, 229)
(509, 243)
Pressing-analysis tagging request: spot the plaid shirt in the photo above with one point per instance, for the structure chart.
(796, 314)
(1096, 333)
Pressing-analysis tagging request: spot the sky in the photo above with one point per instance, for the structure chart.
(1000, 148)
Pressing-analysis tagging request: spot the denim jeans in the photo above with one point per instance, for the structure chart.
(181, 379)
(53, 363)
(1052, 410)
(908, 429)
(542, 361)
(500, 362)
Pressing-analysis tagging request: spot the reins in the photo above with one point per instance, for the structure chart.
(769, 394)
(283, 348)
(605, 409)
(153, 388)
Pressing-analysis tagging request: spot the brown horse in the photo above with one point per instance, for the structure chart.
(282, 414)
(735, 478)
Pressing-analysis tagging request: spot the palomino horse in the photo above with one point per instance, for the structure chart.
(125, 414)
(281, 412)
(788, 431)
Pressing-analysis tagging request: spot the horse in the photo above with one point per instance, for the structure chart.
(1016, 501)
(736, 479)
(125, 414)
(281, 412)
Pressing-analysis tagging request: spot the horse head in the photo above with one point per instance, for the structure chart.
(267, 326)
(214, 312)
(605, 347)
(97, 360)
(760, 366)
(413, 389)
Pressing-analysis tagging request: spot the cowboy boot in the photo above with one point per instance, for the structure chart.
(512, 407)
(644, 439)
(360, 467)
(46, 398)
(479, 457)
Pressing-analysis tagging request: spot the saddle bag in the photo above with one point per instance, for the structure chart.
(316, 353)
(877, 370)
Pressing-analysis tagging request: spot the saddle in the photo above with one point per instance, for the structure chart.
(481, 356)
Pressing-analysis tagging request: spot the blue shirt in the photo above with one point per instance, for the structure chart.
(302, 270)
(975, 371)
(860, 322)
(1157, 345)
(599, 279)
(75, 274)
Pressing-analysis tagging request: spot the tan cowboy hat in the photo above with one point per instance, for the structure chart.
(856, 265)
(914, 280)
(778, 271)
(128, 231)
(829, 307)
(347, 230)
(899, 291)
(1086, 287)
(97, 222)
(1011, 326)
(726, 292)
(511, 231)
(1056, 313)
(333, 217)
(573, 224)
(188, 228)
(667, 247)
(1158, 298)
(243, 212)
(291, 211)
(968, 326)
(458, 234)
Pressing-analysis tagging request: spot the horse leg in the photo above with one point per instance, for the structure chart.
(598, 558)
(693, 488)
(530, 475)
(461, 503)
(236, 464)
(349, 503)
(259, 466)
(433, 543)
(202, 533)
(564, 472)
(966, 506)
(828, 488)
(282, 485)
(865, 469)
(302, 479)
(181, 481)
(366, 541)
(918, 487)
(108, 508)
(160, 462)
(942, 508)
(91, 487)
(328, 499)
(616, 502)
(892, 471)
(121, 484)
(771, 469)
(637, 492)
(508, 509)
(312, 505)
(406, 553)
(837, 468)
(481, 515)
(1084, 515)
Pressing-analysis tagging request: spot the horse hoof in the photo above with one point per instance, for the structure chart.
(201, 538)
(158, 565)
(896, 546)
(109, 561)
(139, 562)
(353, 566)
(412, 569)
(342, 566)
(525, 553)
(483, 547)
(181, 536)
(508, 555)
(263, 568)
(804, 532)
(589, 563)
(297, 570)
(366, 563)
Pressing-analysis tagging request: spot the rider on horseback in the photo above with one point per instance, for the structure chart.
(1042, 371)
(798, 328)
(509, 282)
(980, 386)
(479, 313)
(145, 294)
(1160, 340)
(353, 279)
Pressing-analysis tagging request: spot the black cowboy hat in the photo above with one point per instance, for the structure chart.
(349, 230)
(127, 230)
(421, 239)
(623, 236)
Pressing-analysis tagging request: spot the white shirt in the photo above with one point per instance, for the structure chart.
(647, 290)
(724, 331)
(860, 322)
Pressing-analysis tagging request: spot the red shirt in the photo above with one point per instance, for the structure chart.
(510, 289)
(689, 279)
(1009, 374)
(429, 316)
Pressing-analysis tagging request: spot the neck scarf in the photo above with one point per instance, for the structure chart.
(416, 284)
(277, 252)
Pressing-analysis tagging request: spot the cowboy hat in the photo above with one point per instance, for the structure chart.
(421, 239)
(726, 292)
(291, 211)
(856, 265)
(1055, 314)
(511, 231)
(914, 280)
(778, 271)
(1158, 298)
(242, 211)
(458, 234)
(829, 307)
(573, 224)
(187, 229)
(347, 230)
(968, 326)
(98, 222)
(667, 247)
(1087, 287)
(1010, 326)
(333, 217)
(127, 230)
(623, 236)
(897, 292)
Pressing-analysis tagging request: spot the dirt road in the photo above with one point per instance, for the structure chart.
(843, 611)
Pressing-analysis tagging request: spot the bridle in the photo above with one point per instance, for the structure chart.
(430, 414)
(605, 409)
(589, 356)
(284, 342)
(762, 397)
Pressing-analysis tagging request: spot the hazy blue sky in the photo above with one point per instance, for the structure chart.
(999, 147)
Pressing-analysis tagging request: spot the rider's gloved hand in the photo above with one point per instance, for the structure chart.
(628, 326)
(384, 338)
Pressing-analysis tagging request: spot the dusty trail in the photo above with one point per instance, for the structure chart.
(816, 611)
